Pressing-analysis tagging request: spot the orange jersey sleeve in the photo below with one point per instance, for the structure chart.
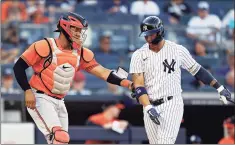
(32, 55)
(88, 66)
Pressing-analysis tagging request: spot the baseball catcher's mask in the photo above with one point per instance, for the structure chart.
(74, 27)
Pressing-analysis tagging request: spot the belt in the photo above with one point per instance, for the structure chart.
(160, 101)
(41, 92)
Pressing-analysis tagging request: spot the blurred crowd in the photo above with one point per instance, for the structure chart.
(190, 23)
(228, 138)
(228, 126)
(108, 119)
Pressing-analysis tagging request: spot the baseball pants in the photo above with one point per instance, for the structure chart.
(171, 114)
(52, 113)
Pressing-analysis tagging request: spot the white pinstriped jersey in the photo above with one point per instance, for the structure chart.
(162, 74)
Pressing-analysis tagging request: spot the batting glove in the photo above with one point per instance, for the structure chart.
(152, 113)
(225, 94)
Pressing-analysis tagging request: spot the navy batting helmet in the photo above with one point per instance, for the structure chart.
(152, 25)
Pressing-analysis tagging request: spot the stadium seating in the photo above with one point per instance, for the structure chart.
(108, 60)
(125, 30)
(94, 83)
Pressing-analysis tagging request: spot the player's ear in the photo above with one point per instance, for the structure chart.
(87, 54)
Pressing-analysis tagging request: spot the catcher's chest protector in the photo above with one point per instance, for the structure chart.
(58, 74)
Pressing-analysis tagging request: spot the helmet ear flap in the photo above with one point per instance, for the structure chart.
(162, 32)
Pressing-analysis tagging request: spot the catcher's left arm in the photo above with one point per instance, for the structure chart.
(112, 77)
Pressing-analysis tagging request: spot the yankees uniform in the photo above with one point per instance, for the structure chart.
(162, 78)
(157, 77)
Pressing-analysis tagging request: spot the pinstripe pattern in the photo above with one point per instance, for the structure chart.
(160, 84)
(171, 113)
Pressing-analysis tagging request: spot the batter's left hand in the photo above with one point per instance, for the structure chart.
(153, 114)
(225, 94)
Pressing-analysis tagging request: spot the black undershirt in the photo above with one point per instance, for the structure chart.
(20, 74)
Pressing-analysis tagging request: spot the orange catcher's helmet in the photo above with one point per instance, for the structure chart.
(65, 23)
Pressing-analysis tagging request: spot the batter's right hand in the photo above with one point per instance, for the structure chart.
(30, 100)
(152, 114)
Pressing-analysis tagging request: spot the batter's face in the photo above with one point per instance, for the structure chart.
(150, 38)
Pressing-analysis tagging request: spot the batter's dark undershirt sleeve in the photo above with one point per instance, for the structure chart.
(20, 74)
(206, 77)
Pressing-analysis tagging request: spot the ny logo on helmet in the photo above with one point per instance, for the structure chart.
(145, 28)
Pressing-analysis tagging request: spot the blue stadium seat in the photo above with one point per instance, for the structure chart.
(96, 16)
(220, 78)
(108, 60)
(81, 9)
(207, 61)
(231, 89)
(120, 38)
(10, 66)
(187, 79)
(220, 69)
(140, 41)
(164, 17)
(94, 83)
(119, 42)
(207, 89)
(33, 32)
(58, 15)
(125, 62)
(188, 88)
(220, 8)
(120, 18)
(185, 19)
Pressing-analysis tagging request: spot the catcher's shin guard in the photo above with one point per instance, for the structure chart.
(59, 136)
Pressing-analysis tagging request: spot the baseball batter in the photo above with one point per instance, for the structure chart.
(55, 62)
(156, 74)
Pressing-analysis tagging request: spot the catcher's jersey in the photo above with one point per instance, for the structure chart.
(162, 74)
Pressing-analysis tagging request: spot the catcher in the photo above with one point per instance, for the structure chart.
(55, 62)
